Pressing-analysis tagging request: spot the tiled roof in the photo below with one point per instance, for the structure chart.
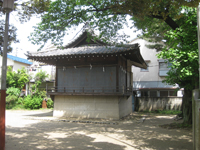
(83, 36)
(22, 60)
(84, 50)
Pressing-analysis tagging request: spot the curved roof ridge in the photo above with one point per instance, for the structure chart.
(83, 37)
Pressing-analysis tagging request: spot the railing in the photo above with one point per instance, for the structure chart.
(89, 90)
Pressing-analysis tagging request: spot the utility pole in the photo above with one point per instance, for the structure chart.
(8, 6)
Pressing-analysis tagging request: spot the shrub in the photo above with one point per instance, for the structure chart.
(12, 98)
(13, 91)
(49, 103)
(42, 94)
(20, 100)
(17, 107)
(33, 102)
(11, 101)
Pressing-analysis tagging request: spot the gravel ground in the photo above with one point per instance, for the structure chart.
(36, 130)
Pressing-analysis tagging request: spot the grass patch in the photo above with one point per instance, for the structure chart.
(166, 112)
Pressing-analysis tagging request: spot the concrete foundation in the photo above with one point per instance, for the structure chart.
(107, 107)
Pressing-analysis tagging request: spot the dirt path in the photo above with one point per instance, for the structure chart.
(34, 130)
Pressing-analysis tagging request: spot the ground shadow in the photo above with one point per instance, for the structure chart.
(127, 134)
(47, 135)
(45, 114)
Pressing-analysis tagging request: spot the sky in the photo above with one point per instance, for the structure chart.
(24, 30)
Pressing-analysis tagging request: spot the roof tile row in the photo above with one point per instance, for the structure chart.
(83, 50)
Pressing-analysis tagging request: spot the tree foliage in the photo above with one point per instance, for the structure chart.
(106, 16)
(178, 46)
(40, 77)
(12, 37)
(182, 52)
(26, 9)
(17, 79)
(13, 91)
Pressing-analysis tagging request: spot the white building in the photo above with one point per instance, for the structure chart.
(37, 67)
(148, 82)
(15, 62)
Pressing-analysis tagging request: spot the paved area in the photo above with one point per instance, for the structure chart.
(36, 130)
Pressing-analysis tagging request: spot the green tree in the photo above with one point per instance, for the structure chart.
(178, 46)
(17, 79)
(39, 79)
(182, 51)
(106, 16)
(34, 101)
(12, 37)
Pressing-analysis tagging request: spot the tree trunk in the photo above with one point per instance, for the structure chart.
(187, 106)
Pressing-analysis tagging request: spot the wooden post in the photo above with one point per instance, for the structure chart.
(2, 119)
(3, 79)
(44, 104)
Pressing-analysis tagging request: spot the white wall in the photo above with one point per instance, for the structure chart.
(9, 63)
(18, 65)
(148, 55)
(15, 64)
(162, 103)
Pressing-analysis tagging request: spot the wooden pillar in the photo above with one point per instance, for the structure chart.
(2, 119)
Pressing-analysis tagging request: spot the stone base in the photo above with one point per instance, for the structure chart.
(107, 107)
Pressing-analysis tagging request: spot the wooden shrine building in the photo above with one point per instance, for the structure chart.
(93, 80)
